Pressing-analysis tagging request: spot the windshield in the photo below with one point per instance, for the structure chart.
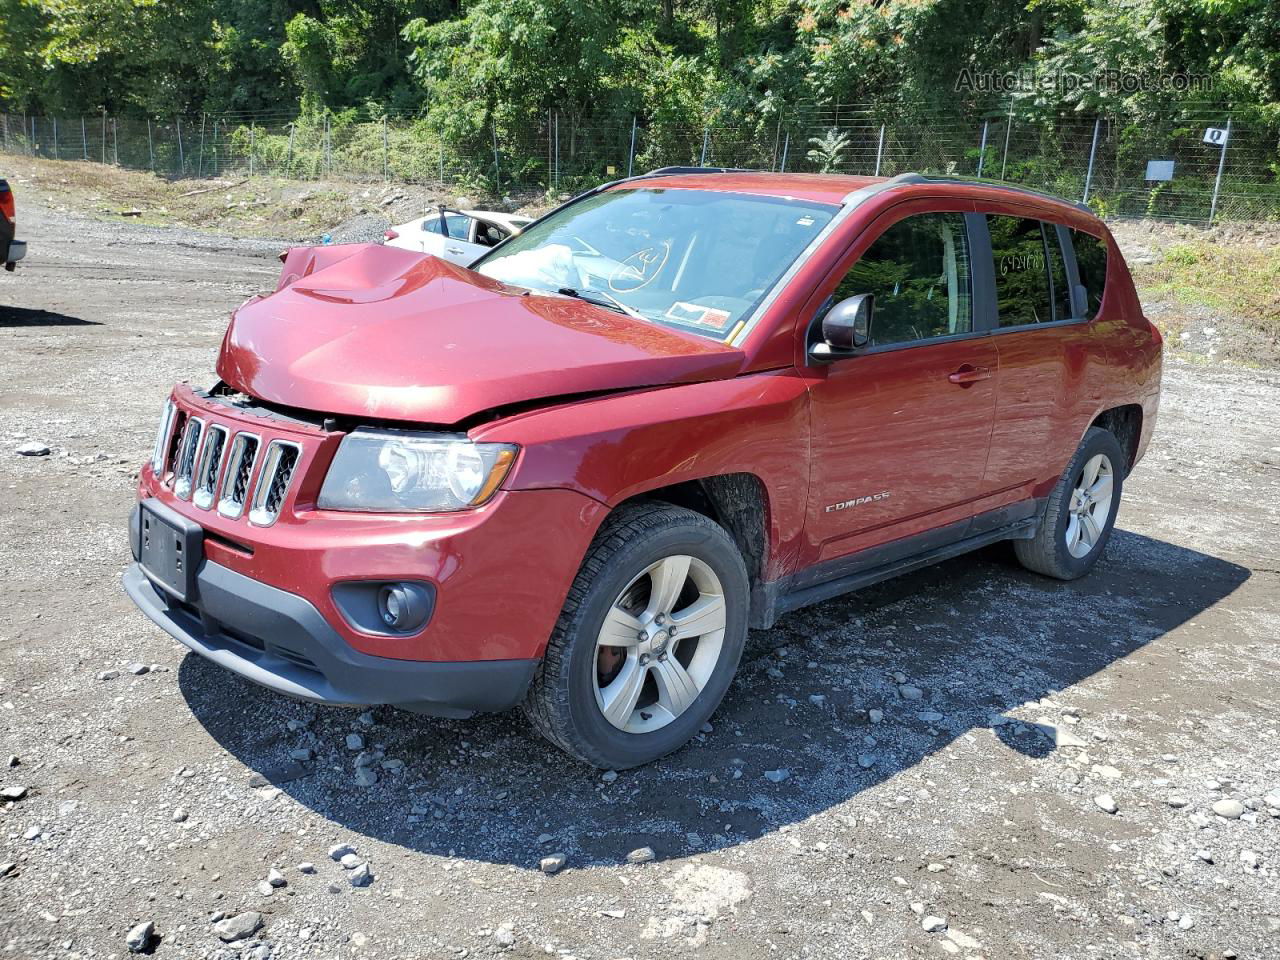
(696, 260)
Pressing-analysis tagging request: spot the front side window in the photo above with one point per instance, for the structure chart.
(1091, 261)
(1023, 293)
(919, 273)
(696, 260)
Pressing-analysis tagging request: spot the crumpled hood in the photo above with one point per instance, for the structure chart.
(371, 331)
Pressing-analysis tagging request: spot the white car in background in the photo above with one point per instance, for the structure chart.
(459, 236)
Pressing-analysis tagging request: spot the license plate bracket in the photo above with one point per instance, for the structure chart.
(170, 549)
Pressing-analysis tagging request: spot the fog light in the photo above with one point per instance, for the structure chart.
(386, 608)
(402, 606)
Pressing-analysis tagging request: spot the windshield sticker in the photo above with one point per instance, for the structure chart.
(805, 222)
(639, 269)
(697, 316)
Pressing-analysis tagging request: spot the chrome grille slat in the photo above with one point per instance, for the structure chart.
(184, 469)
(210, 466)
(161, 449)
(239, 472)
(176, 433)
(278, 466)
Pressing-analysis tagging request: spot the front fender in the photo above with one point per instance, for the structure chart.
(617, 447)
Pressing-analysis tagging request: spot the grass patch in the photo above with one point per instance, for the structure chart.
(1239, 280)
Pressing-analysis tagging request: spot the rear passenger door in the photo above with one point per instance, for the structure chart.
(455, 245)
(1049, 353)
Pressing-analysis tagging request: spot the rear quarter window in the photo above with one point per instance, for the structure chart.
(1091, 262)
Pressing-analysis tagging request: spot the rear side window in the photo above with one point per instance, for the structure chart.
(456, 225)
(1023, 294)
(919, 273)
(1091, 261)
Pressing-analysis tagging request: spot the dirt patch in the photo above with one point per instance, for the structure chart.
(300, 212)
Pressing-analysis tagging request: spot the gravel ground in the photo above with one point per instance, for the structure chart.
(920, 770)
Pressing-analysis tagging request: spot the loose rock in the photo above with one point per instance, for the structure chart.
(641, 855)
(240, 927)
(33, 448)
(139, 938)
(1106, 803)
(552, 864)
(1229, 808)
(933, 924)
(361, 876)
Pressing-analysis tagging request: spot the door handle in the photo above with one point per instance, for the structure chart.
(454, 249)
(968, 375)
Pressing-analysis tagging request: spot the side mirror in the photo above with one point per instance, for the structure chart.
(846, 329)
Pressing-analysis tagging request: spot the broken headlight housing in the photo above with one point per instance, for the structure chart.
(395, 471)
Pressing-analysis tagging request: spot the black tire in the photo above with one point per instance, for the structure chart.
(1047, 552)
(561, 702)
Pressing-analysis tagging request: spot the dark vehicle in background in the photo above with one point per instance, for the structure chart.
(11, 249)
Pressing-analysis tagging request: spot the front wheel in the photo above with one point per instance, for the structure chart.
(1081, 511)
(648, 640)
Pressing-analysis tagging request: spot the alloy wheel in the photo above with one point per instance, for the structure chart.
(1090, 506)
(659, 644)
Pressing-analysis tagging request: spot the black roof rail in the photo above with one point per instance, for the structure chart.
(670, 171)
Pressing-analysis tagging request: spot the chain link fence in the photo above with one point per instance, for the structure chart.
(1105, 161)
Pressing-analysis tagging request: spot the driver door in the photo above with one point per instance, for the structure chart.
(901, 431)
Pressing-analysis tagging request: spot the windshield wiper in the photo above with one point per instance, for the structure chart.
(602, 299)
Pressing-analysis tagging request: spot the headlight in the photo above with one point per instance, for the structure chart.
(394, 471)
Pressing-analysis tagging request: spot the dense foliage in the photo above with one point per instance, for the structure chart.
(466, 65)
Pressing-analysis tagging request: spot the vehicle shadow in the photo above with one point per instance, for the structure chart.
(977, 636)
(27, 317)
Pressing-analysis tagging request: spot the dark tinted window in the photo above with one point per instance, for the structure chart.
(1022, 271)
(1091, 261)
(1060, 289)
(918, 271)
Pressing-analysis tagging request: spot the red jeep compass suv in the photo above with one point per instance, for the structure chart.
(678, 406)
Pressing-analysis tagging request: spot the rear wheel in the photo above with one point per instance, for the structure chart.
(1081, 511)
(648, 641)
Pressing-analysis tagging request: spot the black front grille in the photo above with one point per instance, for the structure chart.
(280, 482)
(175, 441)
(240, 486)
(210, 466)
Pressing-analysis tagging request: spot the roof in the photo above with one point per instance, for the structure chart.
(824, 187)
(815, 187)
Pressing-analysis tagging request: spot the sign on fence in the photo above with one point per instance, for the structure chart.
(1215, 136)
(1159, 169)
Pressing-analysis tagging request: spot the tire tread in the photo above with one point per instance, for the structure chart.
(1040, 554)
